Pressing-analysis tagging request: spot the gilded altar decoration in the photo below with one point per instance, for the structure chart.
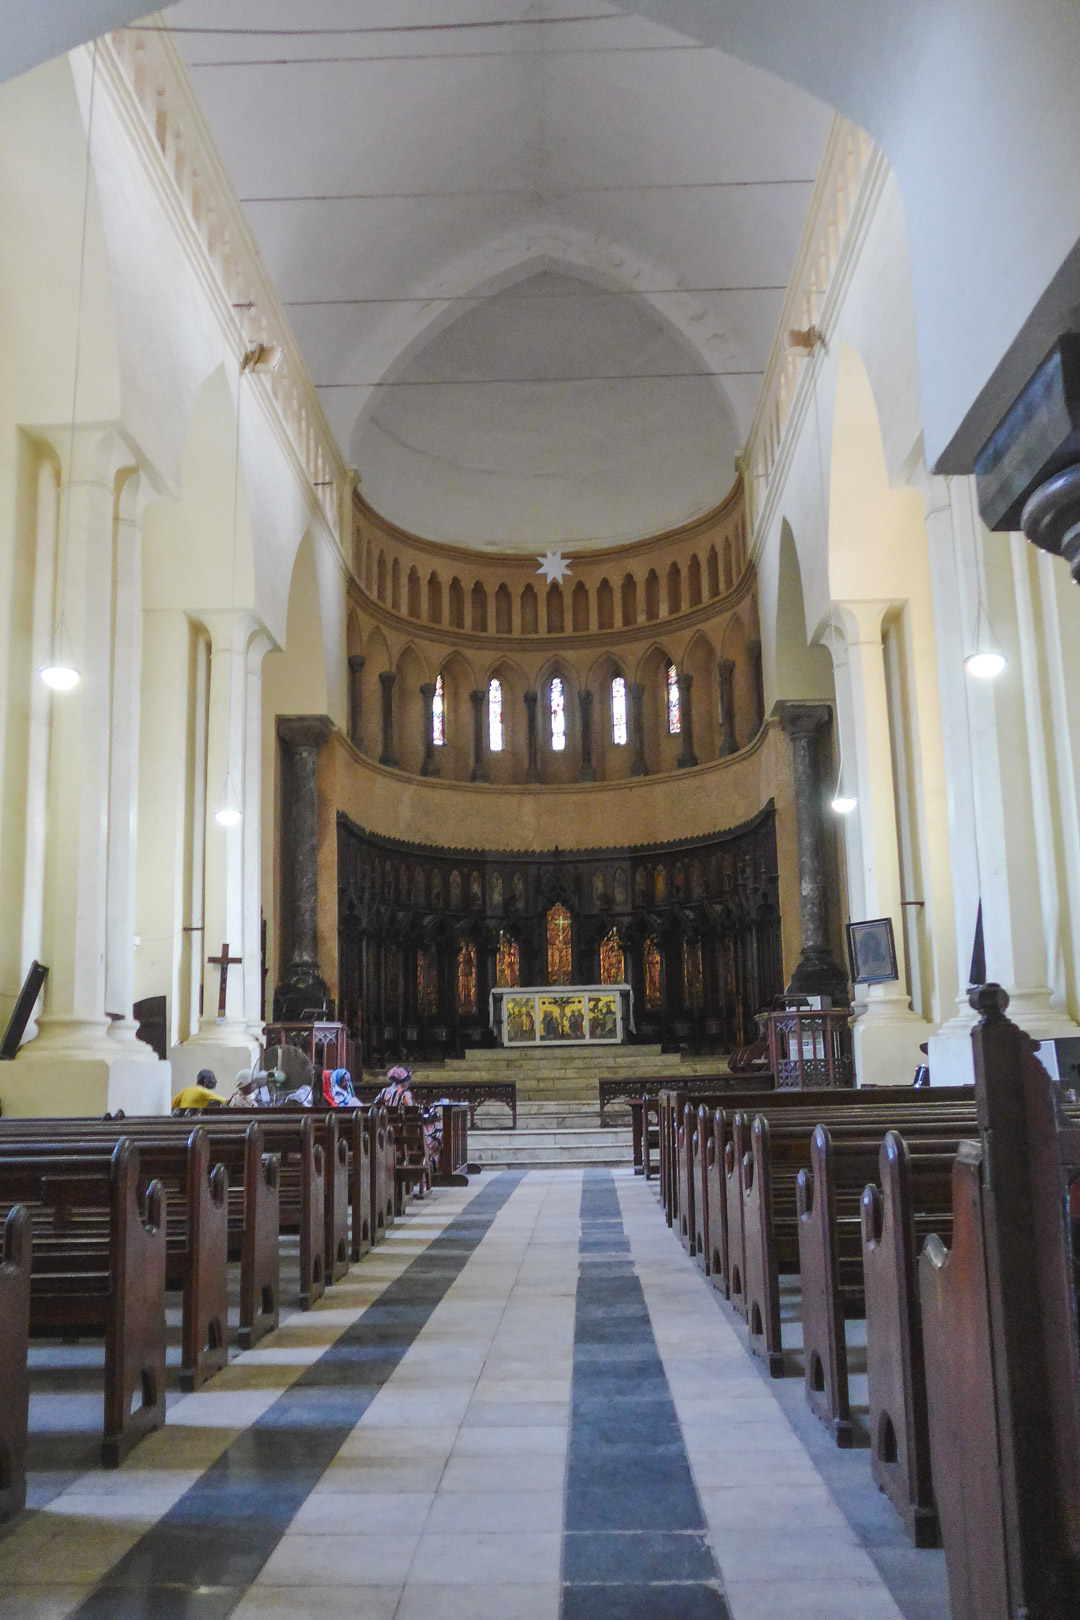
(693, 979)
(562, 1018)
(520, 1019)
(660, 884)
(466, 977)
(508, 962)
(603, 1018)
(652, 972)
(612, 960)
(559, 954)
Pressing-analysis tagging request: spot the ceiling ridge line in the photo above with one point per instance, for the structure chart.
(526, 191)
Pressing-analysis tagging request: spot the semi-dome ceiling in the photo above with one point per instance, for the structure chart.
(534, 253)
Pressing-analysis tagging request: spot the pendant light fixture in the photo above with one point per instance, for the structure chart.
(985, 660)
(59, 670)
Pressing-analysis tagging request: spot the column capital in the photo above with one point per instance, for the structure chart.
(726, 666)
(356, 662)
(304, 730)
(801, 719)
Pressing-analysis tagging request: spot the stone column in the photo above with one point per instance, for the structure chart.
(687, 757)
(430, 765)
(301, 737)
(388, 756)
(725, 670)
(757, 685)
(87, 908)
(888, 1033)
(585, 705)
(479, 769)
(636, 689)
(532, 767)
(356, 695)
(816, 974)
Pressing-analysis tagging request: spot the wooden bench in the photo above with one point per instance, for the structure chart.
(14, 1371)
(472, 1094)
(98, 1266)
(1002, 1346)
(453, 1169)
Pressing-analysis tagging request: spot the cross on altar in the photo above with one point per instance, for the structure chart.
(224, 962)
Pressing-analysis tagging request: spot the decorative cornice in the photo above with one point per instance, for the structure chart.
(149, 87)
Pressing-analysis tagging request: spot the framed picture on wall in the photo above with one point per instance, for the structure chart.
(872, 951)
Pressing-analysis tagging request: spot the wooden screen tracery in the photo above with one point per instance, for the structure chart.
(693, 976)
(612, 960)
(652, 973)
(467, 977)
(559, 953)
(508, 963)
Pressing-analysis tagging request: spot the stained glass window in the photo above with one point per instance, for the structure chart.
(674, 709)
(652, 972)
(508, 963)
(618, 711)
(495, 717)
(438, 714)
(693, 986)
(559, 959)
(466, 977)
(558, 717)
(612, 961)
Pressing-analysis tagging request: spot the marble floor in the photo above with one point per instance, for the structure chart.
(526, 1404)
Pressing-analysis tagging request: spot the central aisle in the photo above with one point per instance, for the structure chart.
(526, 1404)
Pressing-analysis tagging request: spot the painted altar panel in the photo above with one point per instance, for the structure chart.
(576, 1016)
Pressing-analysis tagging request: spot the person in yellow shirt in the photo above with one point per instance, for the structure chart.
(200, 1095)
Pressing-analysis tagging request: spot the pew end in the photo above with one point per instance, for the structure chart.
(14, 1371)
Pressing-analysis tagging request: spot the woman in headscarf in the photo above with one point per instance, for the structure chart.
(397, 1094)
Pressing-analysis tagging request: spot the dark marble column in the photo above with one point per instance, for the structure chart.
(430, 766)
(757, 686)
(479, 768)
(585, 705)
(356, 670)
(636, 690)
(300, 737)
(532, 767)
(817, 973)
(687, 756)
(726, 673)
(386, 681)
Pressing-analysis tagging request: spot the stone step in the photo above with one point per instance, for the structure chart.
(551, 1148)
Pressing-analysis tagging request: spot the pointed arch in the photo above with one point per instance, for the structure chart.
(674, 589)
(555, 623)
(503, 611)
(629, 601)
(529, 611)
(579, 607)
(380, 588)
(434, 598)
(693, 581)
(652, 595)
(413, 593)
(713, 569)
(395, 586)
(457, 604)
(478, 611)
(605, 605)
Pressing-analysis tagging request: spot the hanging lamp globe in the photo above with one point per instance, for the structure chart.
(842, 804)
(59, 675)
(985, 663)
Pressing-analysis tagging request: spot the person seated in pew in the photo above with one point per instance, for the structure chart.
(200, 1095)
(397, 1094)
(253, 1089)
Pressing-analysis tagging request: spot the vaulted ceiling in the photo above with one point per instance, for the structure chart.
(534, 251)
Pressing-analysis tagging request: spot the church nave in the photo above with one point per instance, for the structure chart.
(527, 1403)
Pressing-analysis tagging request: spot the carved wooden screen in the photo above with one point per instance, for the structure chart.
(508, 963)
(427, 979)
(612, 961)
(652, 972)
(693, 979)
(466, 978)
(559, 957)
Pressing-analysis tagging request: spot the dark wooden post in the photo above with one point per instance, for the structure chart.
(479, 768)
(303, 987)
(386, 681)
(726, 672)
(532, 768)
(356, 692)
(430, 766)
(687, 757)
(585, 705)
(816, 973)
(636, 690)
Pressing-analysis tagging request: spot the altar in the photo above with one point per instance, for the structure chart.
(562, 1015)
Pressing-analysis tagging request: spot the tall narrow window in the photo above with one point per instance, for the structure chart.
(467, 977)
(495, 717)
(559, 953)
(508, 962)
(674, 708)
(652, 972)
(438, 714)
(612, 961)
(558, 715)
(618, 711)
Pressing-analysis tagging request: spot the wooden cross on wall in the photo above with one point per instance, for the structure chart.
(224, 962)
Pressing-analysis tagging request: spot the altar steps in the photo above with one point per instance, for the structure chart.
(569, 1074)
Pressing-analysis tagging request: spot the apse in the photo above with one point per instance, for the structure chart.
(555, 412)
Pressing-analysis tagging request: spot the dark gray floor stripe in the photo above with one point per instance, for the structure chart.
(634, 1535)
(197, 1562)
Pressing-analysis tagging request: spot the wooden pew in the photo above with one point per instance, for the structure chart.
(98, 1266)
(14, 1371)
(454, 1149)
(895, 1365)
(382, 1157)
(1002, 1346)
